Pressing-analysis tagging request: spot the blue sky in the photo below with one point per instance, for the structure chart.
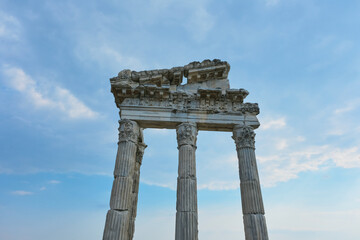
(58, 122)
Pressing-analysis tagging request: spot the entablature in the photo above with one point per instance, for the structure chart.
(149, 98)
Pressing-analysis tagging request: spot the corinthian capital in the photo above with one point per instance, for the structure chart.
(186, 134)
(244, 136)
(128, 131)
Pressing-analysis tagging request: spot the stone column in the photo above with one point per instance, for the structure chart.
(119, 218)
(186, 201)
(251, 198)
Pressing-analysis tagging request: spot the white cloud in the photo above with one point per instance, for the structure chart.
(215, 222)
(336, 132)
(281, 144)
(4, 170)
(21, 193)
(272, 2)
(305, 220)
(343, 47)
(10, 27)
(220, 185)
(346, 158)
(159, 225)
(279, 160)
(331, 48)
(287, 166)
(350, 106)
(54, 98)
(273, 124)
(221, 222)
(200, 23)
(164, 132)
(218, 169)
(300, 138)
(344, 109)
(221, 171)
(170, 185)
(106, 55)
(54, 182)
(343, 120)
(225, 222)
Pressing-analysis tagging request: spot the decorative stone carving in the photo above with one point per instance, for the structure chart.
(244, 136)
(156, 99)
(195, 72)
(186, 134)
(206, 70)
(232, 99)
(160, 77)
(128, 131)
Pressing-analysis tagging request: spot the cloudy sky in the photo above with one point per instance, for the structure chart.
(300, 60)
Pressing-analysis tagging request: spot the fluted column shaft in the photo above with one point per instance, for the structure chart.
(120, 218)
(251, 198)
(186, 202)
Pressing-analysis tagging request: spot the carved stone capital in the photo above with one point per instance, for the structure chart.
(128, 131)
(140, 152)
(244, 136)
(186, 134)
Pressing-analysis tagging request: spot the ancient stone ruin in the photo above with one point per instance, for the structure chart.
(158, 99)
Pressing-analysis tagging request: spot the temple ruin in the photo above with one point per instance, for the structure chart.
(158, 99)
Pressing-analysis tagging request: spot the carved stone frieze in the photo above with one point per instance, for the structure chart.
(244, 136)
(128, 131)
(186, 134)
(209, 100)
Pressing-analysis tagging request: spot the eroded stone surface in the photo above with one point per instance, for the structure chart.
(156, 99)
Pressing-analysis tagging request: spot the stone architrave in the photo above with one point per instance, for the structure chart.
(251, 198)
(186, 203)
(158, 99)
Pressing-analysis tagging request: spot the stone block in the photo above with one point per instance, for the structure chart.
(186, 195)
(247, 165)
(125, 159)
(251, 197)
(116, 226)
(187, 164)
(186, 226)
(121, 194)
(255, 227)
